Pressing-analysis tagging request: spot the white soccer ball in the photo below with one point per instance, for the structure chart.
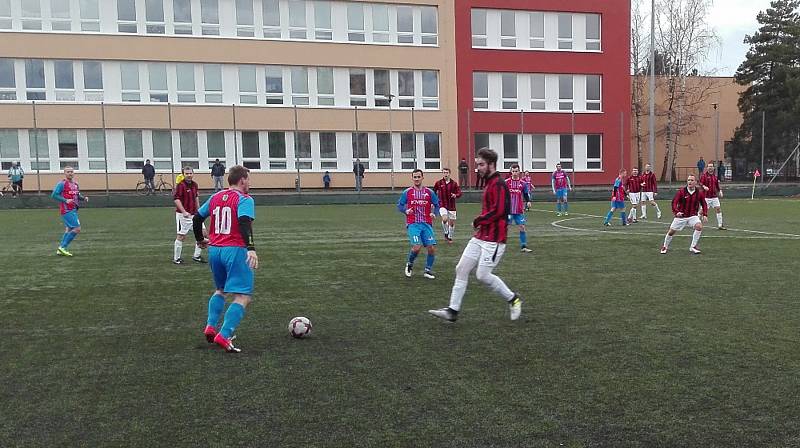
(300, 327)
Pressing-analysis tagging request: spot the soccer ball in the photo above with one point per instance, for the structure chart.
(299, 327)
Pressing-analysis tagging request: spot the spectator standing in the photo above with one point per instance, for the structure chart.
(701, 165)
(463, 173)
(358, 171)
(721, 171)
(326, 180)
(218, 173)
(149, 173)
(15, 175)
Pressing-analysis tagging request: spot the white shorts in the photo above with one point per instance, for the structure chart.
(634, 198)
(184, 225)
(648, 196)
(712, 202)
(447, 213)
(680, 223)
(485, 253)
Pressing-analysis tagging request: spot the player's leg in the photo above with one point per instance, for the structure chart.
(451, 219)
(445, 224)
(523, 234)
(468, 262)
(429, 241)
(491, 254)
(609, 215)
(239, 282)
(677, 225)
(698, 230)
(216, 303)
(718, 210)
(197, 250)
(72, 227)
(658, 210)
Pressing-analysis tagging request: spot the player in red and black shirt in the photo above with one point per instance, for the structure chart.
(487, 246)
(633, 185)
(710, 184)
(448, 191)
(686, 207)
(649, 191)
(187, 202)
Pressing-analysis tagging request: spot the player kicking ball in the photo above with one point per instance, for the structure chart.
(685, 206)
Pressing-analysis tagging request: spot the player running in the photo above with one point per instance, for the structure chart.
(520, 201)
(618, 199)
(68, 194)
(486, 248)
(448, 191)
(633, 185)
(231, 254)
(419, 204)
(561, 185)
(649, 191)
(686, 207)
(713, 192)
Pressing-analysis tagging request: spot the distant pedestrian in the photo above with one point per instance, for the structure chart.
(15, 175)
(463, 173)
(326, 180)
(149, 173)
(721, 171)
(701, 165)
(218, 173)
(358, 171)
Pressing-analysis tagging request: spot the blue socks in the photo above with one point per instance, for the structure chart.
(412, 256)
(609, 215)
(67, 238)
(215, 306)
(624, 218)
(558, 207)
(566, 206)
(429, 262)
(233, 316)
(523, 238)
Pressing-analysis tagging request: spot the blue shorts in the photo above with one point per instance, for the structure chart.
(230, 270)
(519, 220)
(618, 204)
(71, 220)
(561, 193)
(421, 234)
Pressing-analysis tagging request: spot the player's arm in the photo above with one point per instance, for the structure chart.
(719, 188)
(176, 198)
(458, 191)
(197, 222)
(526, 195)
(435, 203)
(676, 203)
(402, 203)
(569, 182)
(56, 194)
(553, 182)
(704, 205)
(247, 214)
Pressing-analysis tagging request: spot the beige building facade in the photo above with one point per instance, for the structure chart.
(288, 88)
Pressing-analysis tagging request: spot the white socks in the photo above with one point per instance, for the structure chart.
(178, 250)
(644, 211)
(633, 213)
(719, 219)
(197, 251)
(696, 237)
(667, 240)
(459, 288)
(445, 228)
(452, 231)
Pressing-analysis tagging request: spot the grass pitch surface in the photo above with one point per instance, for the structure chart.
(617, 345)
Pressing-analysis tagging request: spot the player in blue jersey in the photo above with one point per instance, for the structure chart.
(618, 199)
(520, 201)
(231, 255)
(419, 204)
(69, 196)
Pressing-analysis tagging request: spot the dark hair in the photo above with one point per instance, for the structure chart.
(418, 171)
(516, 165)
(446, 169)
(236, 174)
(488, 155)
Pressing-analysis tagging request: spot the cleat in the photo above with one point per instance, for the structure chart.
(558, 213)
(199, 260)
(178, 261)
(630, 220)
(663, 249)
(626, 223)
(566, 213)
(515, 307)
(408, 270)
(63, 252)
(210, 333)
(695, 250)
(607, 224)
(226, 344)
(658, 215)
(635, 221)
(445, 314)
(525, 250)
(722, 228)
(429, 274)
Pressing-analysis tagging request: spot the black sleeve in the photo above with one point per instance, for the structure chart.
(246, 228)
(197, 227)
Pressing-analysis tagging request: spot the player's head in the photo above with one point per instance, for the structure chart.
(417, 177)
(558, 167)
(69, 172)
(188, 172)
(634, 171)
(710, 168)
(239, 178)
(527, 173)
(623, 172)
(486, 161)
(515, 171)
(446, 173)
(146, 162)
(648, 168)
(691, 181)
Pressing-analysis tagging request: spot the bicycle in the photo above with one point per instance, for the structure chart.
(161, 187)
(6, 189)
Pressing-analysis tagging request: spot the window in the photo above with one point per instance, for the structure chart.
(566, 152)
(34, 79)
(209, 16)
(5, 17)
(59, 15)
(277, 150)
(432, 153)
(539, 152)
(565, 31)
(159, 92)
(212, 83)
(39, 150)
(430, 26)
(189, 152)
(215, 143)
(65, 80)
(358, 87)
(481, 141)
(134, 153)
(408, 151)
(251, 153)
(126, 16)
(297, 19)
(405, 25)
(593, 101)
(480, 90)
(68, 148)
(248, 92)
(302, 150)
(594, 152)
(510, 150)
(186, 87)
(9, 148)
(380, 23)
(96, 147)
(300, 86)
(430, 89)
(565, 92)
(593, 32)
(405, 88)
(479, 38)
(509, 89)
(182, 14)
(129, 72)
(92, 81)
(31, 15)
(537, 30)
(90, 20)
(154, 16)
(323, 30)
(325, 94)
(355, 22)
(162, 150)
(508, 29)
(271, 11)
(384, 146)
(244, 18)
(381, 84)
(360, 145)
(274, 79)
(538, 92)
(327, 150)
(8, 84)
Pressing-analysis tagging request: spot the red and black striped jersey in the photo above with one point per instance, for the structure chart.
(186, 191)
(633, 184)
(445, 191)
(492, 223)
(688, 203)
(712, 182)
(650, 185)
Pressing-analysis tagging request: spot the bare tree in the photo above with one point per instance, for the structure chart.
(640, 35)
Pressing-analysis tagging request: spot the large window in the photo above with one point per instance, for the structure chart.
(65, 80)
(327, 150)
(274, 80)
(355, 22)
(358, 87)
(509, 90)
(594, 152)
(248, 91)
(154, 16)
(277, 150)
(535, 30)
(212, 83)
(129, 72)
(565, 93)
(244, 18)
(323, 28)
(405, 25)
(187, 92)
(126, 16)
(134, 151)
(182, 14)
(90, 17)
(68, 148)
(480, 90)
(508, 29)
(209, 17)
(34, 79)
(93, 81)
(39, 150)
(300, 95)
(159, 93)
(297, 19)
(593, 100)
(271, 13)
(8, 85)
